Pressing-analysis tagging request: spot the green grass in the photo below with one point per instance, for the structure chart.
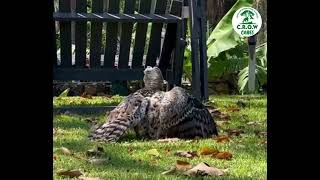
(128, 158)
(80, 101)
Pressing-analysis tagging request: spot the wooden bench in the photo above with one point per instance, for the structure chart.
(121, 61)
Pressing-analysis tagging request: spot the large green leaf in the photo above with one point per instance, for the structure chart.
(223, 37)
(261, 78)
(261, 55)
(65, 93)
(230, 61)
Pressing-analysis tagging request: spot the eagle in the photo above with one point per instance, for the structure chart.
(157, 114)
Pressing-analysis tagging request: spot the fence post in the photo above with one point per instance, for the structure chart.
(252, 63)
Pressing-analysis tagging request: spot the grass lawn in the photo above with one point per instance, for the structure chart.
(129, 159)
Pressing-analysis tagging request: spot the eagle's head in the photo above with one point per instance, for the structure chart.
(153, 78)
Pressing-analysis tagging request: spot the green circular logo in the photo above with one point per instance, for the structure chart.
(246, 21)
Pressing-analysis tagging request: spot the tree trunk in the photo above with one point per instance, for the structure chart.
(261, 7)
(216, 9)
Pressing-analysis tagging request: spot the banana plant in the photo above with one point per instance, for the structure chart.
(260, 70)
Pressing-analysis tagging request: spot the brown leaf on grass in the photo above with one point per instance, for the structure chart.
(261, 134)
(187, 154)
(70, 173)
(183, 165)
(169, 140)
(264, 142)
(65, 151)
(224, 117)
(223, 155)
(204, 169)
(235, 132)
(170, 171)
(130, 149)
(216, 113)
(168, 152)
(222, 139)
(55, 158)
(208, 151)
(233, 109)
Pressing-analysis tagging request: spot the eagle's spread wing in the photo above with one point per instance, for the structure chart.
(127, 114)
(176, 113)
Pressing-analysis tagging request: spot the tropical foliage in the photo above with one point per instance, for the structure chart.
(228, 52)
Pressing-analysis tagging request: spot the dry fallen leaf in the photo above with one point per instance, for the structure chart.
(204, 169)
(153, 152)
(89, 178)
(234, 132)
(261, 134)
(222, 139)
(169, 140)
(187, 154)
(223, 155)
(130, 149)
(65, 151)
(224, 117)
(168, 152)
(70, 173)
(55, 158)
(208, 151)
(215, 113)
(233, 109)
(170, 171)
(183, 165)
(264, 142)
